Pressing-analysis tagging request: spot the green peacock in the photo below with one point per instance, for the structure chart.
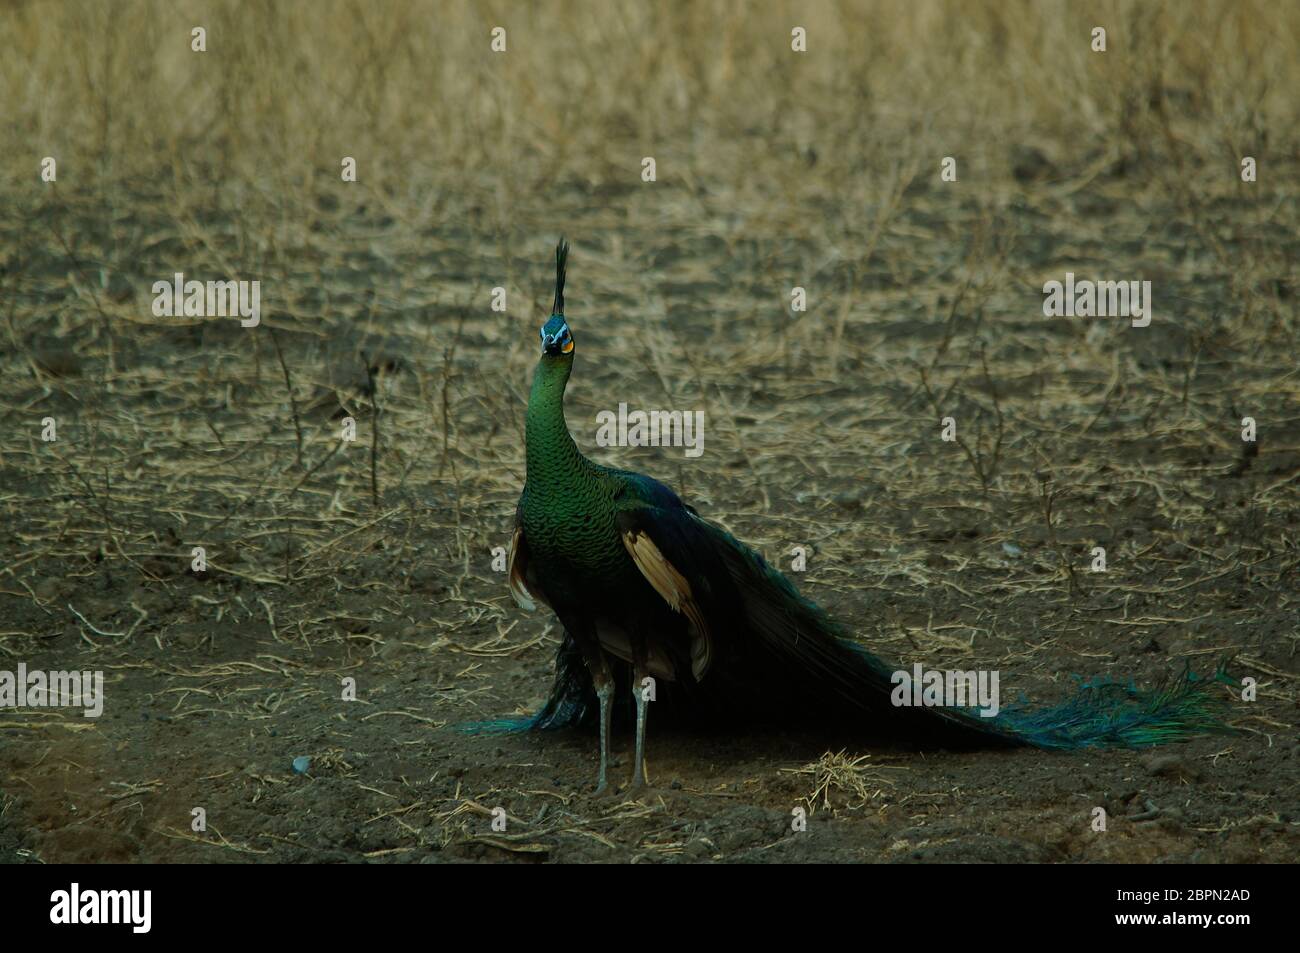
(647, 589)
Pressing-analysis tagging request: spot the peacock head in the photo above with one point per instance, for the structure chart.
(557, 340)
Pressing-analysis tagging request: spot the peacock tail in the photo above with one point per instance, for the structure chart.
(843, 685)
(572, 702)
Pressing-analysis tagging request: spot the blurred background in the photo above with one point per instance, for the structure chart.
(584, 90)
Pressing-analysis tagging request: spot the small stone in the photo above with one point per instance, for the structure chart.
(1171, 766)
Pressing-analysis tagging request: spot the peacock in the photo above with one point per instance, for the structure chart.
(660, 605)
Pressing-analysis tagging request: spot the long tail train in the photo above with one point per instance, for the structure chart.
(813, 660)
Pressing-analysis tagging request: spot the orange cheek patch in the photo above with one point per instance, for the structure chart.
(568, 346)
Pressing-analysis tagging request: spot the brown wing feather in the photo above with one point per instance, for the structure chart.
(675, 590)
(517, 572)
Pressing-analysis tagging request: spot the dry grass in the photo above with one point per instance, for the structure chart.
(585, 89)
(854, 778)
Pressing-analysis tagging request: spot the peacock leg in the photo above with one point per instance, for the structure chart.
(639, 778)
(642, 687)
(604, 692)
(603, 682)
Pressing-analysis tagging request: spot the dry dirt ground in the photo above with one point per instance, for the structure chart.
(373, 560)
(174, 437)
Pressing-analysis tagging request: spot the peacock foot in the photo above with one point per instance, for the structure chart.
(637, 789)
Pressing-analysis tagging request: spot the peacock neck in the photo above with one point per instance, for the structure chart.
(553, 457)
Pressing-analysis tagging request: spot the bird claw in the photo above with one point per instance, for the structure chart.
(638, 789)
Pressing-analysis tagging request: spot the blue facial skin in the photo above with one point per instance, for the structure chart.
(556, 339)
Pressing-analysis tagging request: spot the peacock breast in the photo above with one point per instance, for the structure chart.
(578, 532)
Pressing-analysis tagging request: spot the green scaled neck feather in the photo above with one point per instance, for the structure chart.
(657, 603)
(552, 456)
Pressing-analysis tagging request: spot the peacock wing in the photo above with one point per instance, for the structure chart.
(523, 582)
(668, 550)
